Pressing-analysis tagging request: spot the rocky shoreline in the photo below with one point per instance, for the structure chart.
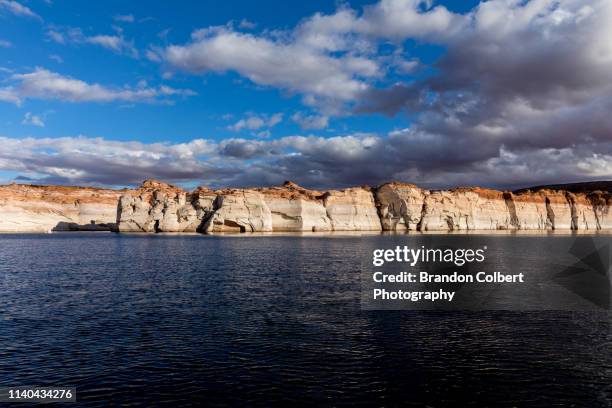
(160, 207)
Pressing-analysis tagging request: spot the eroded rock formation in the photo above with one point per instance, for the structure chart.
(400, 206)
(25, 208)
(352, 209)
(405, 206)
(161, 207)
(158, 207)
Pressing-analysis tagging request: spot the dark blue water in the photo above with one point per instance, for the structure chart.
(162, 320)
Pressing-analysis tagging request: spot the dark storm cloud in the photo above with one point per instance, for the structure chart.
(242, 149)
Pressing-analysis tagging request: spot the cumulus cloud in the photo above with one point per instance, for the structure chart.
(31, 119)
(113, 42)
(401, 19)
(329, 59)
(278, 62)
(310, 121)
(18, 9)
(8, 95)
(502, 109)
(406, 66)
(47, 85)
(56, 36)
(255, 122)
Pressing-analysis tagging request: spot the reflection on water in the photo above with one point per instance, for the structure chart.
(189, 320)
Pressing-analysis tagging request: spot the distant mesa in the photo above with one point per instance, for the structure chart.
(583, 187)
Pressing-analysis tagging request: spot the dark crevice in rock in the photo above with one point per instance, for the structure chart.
(378, 205)
(511, 206)
(422, 217)
(208, 214)
(572, 205)
(449, 222)
(550, 214)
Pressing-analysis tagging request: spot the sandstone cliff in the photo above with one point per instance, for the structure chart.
(407, 207)
(25, 208)
(161, 207)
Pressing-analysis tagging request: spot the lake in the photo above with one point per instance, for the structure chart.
(187, 320)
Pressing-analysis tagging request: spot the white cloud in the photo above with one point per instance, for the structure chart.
(44, 84)
(275, 119)
(246, 24)
(254, 122)
(251, 123)
(31, 119)
(8, 95)
(401, 19)
(5, 44)
(281, 63)
(152, 55)
(56, 36)
(330, 59)
(124, 18)
(56, 58)
(116, 43)
(18, 9)
(406, 66)
(112, 42)
(330, 32)
(310, 121)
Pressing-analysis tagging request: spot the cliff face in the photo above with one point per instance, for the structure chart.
(465, 209)
(239, 211)
(160, 207)
(164, 208)
(25, 208)
(405, 206)
(401, 206)
(353, 209)
(294, 208)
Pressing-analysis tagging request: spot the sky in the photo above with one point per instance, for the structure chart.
(502, 93)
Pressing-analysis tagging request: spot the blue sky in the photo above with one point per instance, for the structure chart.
(218, 95)
(322, 92)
